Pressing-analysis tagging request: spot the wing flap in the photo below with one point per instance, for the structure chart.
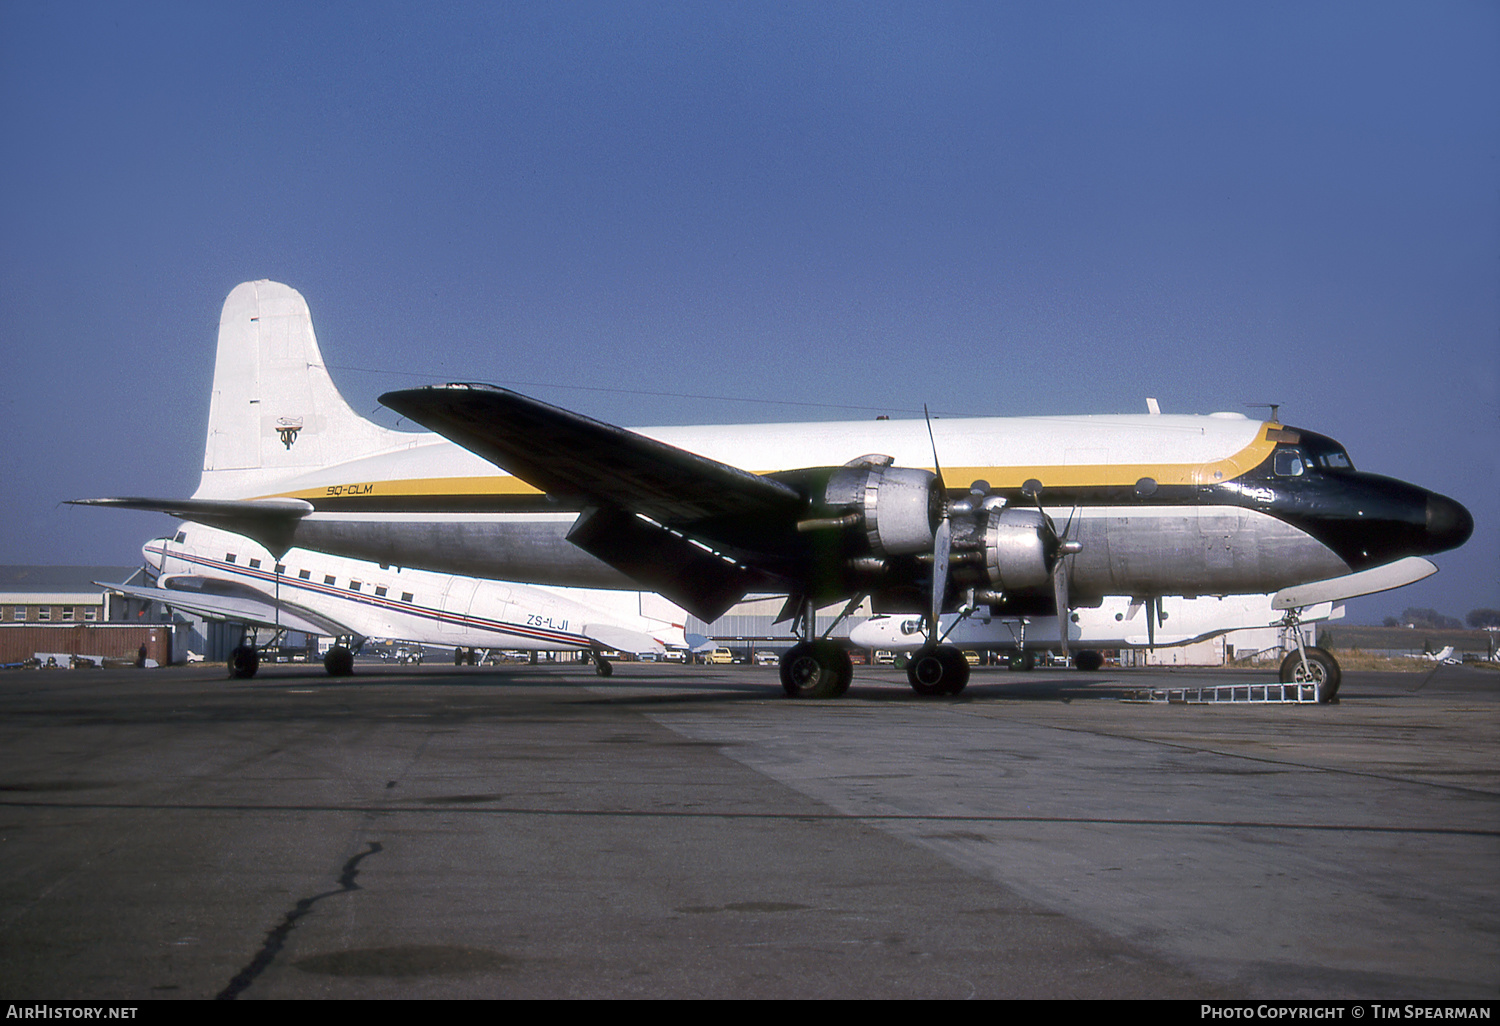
(697, 579)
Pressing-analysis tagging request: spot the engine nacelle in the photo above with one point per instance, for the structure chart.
(900, 507)
(1019, 549)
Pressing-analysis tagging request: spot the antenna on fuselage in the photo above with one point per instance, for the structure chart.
(1273, 407)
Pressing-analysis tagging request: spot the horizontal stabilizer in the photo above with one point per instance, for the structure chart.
(272, 522)
(260, 612)
(1367, 582)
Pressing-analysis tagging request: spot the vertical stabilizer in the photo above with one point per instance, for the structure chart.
(275, 412)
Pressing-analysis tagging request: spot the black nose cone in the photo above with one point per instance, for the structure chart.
(1448, 523)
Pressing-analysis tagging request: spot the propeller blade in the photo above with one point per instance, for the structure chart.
(942, 539)
(942, 544)
(1060, 594)
(937, 468)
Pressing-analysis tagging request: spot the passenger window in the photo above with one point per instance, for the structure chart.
(328, 578)
(229, 557)
(1288, 463)
(304, 574)
(354, 585)
(254, 564)
(406, 596)
(380, 590)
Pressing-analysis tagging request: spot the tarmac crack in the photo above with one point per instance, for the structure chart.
(276, 937)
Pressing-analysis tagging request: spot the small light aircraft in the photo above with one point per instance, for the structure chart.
(224, 576)
(1061, 512)
(1447, 656)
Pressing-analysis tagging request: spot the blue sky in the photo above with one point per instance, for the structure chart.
(719, 212)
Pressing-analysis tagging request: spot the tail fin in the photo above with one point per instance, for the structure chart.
(275, 413)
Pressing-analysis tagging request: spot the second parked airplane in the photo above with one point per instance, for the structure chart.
(224, 576)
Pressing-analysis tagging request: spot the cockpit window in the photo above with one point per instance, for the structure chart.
(1324, 453)
(1288, 463)
(1334, 459)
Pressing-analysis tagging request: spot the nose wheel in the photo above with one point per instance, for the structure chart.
(1320, 668)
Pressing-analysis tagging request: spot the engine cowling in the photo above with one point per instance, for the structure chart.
(1019, 549)
(899, 507)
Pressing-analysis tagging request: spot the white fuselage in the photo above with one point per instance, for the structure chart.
(398, 602)
(369, 506)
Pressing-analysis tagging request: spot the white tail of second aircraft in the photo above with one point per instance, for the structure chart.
(275, 413)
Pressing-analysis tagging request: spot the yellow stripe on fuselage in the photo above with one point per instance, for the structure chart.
(1083, 475)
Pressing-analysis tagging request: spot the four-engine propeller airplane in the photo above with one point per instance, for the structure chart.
(223, 576)
(1062, 510)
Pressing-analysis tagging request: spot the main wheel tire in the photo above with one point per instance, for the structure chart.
(1322, 670)
(937, 671)
(243, 662)
(816, 669)
(339, 662)
(602, 666)
(1088, 661)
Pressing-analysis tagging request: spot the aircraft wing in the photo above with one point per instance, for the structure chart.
(618, 477)
(242, 607)
(571, 456)
(622, 639)
(272, 522)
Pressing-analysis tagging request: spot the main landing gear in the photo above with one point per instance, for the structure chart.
(339, 662)
(816, 669)
(937, 670)
(244, 661)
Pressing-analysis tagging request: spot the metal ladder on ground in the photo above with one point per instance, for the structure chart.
(1263, 694)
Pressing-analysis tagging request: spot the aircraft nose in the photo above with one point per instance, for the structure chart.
(1449, 524)
(151, 552)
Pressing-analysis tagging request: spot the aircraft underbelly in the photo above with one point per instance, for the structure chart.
(1218, 550)
(528, 550)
